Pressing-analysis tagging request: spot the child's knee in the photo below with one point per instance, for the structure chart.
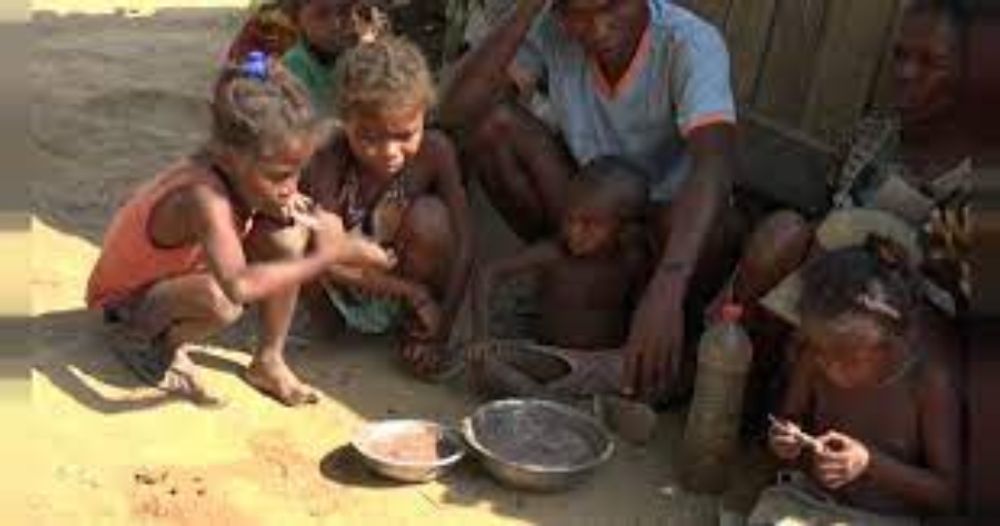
(427, 237)
(223, 310)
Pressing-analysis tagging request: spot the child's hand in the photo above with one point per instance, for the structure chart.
(840, 461)
(346, 249)
(784, 440)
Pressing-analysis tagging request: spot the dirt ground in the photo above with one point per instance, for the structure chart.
(114, 99)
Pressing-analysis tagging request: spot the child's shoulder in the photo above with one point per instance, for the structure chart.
(194, 180)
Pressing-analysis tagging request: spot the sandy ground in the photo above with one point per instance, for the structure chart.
(115, 99)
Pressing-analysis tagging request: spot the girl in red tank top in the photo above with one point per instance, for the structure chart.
(220, 230)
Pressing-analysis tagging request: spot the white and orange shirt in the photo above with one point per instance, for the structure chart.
(678, 80)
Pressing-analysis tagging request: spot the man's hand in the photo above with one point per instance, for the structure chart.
(840, 461)
(655, 343)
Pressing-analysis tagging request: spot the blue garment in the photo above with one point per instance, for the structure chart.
(678, 80)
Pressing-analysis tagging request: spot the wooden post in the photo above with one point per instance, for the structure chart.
(748, 30)
(787, 70)
(846, 64)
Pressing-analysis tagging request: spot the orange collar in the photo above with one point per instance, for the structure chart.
(604, 86)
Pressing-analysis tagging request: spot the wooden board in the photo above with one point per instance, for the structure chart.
(787, 71)
(882, 92)
(846, 64)
(748, 31)
(784, 172)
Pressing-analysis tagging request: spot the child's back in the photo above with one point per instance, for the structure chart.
(130, 260)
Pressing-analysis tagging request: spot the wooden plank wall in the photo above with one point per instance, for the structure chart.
(813, 66)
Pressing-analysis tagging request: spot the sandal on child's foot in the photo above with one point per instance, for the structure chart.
(170, 372)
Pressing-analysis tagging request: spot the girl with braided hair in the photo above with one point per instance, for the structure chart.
(884, 411)
(400, 185)
(220, 229)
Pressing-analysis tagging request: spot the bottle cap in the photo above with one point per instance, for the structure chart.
(732, 312)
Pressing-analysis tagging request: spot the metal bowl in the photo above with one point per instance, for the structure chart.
(537, 445)
(382, 446)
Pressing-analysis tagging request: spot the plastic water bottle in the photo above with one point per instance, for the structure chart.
(711, 435)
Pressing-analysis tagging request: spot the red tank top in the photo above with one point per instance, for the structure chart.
(130, 262)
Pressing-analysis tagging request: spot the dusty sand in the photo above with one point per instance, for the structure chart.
(114, 100)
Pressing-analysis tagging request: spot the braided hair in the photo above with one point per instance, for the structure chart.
(874, 281)
(385, 74)
(254, 110)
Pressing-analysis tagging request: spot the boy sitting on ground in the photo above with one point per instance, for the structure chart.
(589, 281)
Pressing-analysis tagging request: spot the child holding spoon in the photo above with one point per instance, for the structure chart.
(885, 415)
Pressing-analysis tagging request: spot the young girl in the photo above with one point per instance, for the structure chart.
(213, 233)
(401, 186)
(327, 29)
(884, 414)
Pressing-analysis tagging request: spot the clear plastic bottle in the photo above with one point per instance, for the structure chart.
(711, 435)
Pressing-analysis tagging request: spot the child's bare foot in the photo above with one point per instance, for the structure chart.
(182, 379)
(273, 377)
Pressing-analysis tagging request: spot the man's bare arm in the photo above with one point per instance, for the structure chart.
(449, 186)
(699, 204)
(482, 74)
(656, 338)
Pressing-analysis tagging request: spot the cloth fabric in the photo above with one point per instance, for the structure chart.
(380, 221)
(678, 80)
(795, 501)
(129, 261)
(365, 313)
(315, 76)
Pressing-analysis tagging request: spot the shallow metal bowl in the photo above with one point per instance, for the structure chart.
(449, 449)
(536, 444)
